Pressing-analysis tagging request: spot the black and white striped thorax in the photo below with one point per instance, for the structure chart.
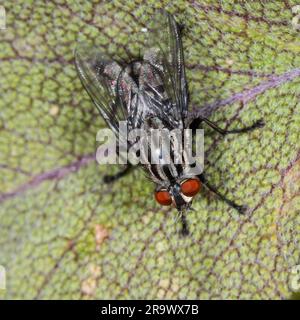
(166, 171)
(165, 155)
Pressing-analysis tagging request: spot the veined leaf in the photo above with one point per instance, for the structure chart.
(65, 234)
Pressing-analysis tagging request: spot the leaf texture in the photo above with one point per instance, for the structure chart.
(64, 234)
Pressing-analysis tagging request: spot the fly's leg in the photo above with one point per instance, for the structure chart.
(118, 175)
(255, 125)
(181, 27)
(240, 208)
(185, 229)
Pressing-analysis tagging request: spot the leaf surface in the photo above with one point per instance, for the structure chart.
(65, 234)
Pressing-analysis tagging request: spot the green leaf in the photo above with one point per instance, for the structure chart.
(65, 234)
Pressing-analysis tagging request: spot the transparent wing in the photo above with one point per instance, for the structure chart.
(164, 52)
(99, 75)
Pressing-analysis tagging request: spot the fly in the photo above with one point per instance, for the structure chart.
(151, 92)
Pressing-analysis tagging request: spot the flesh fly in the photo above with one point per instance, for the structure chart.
(151, 92)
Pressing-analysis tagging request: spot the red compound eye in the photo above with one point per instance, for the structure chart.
(163, 197)
(190, 187)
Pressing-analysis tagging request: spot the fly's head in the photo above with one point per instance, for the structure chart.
(179, 193)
